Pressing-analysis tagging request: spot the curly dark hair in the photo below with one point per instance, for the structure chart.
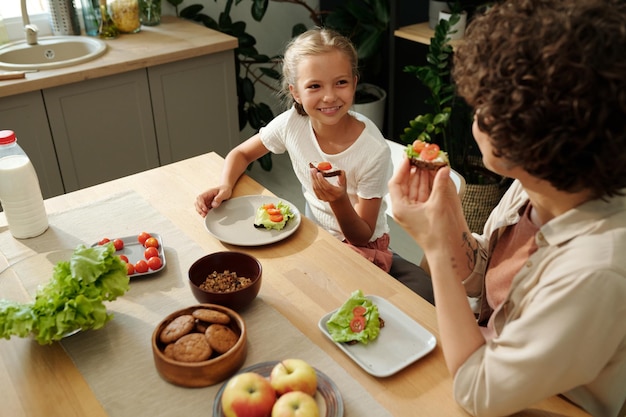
(548, 81)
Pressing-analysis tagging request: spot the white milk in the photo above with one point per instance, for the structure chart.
(21, 197)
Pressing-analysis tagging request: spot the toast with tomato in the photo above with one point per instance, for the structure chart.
(426, 155)
(273, 216)
(325, 168)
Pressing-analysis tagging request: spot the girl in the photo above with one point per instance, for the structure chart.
(320, 77)
(548, 81)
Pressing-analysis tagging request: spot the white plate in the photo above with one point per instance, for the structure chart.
(134, 251)
(328, 397)
(401, 341)
(233, 221)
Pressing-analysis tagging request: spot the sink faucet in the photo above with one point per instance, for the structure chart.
(30, 29)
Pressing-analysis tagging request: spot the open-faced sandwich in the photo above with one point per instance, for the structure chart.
(356, 321)
(273, 216)
(325, 168)
(426, 155)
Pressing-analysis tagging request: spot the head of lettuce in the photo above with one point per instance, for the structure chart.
(73, 299)
(341, 324)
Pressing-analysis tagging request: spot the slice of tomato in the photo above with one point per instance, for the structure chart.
(357, 324)
(269, 206)
(324, 166)
(419, 145)
(359, 311)
(276, 218)
(430, 152)
(273, 211)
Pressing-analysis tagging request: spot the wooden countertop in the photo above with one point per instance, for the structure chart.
(419, 32)
(173, 40)
(311, 272)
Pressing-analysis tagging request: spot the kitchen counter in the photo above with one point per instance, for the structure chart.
(175, 39)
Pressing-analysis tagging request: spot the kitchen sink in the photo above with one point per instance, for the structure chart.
(50, 52)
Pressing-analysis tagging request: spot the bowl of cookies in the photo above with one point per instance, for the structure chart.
(200, 345)
(229, 278)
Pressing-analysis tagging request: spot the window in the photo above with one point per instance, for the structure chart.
(12, 8)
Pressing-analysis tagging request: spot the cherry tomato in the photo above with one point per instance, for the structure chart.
(324, 166)
(124, 258)
(104, 241)
(418, 145)
(130, 269)
(359, 311)
(141, 266)
(155, 263)
(357, 324)
(430, 152)
(143, 236)
(150, 252)
(276, 218)
(151, 242)
(119, 244)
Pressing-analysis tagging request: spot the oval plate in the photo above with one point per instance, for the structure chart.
(328, 396)
(134, 252)
(233, 221)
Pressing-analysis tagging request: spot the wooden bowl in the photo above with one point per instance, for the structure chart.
(241, 263)
(209, 372)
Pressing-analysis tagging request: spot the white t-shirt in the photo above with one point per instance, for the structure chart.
(367, 164)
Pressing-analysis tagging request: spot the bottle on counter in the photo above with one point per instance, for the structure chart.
(107, 29)
(125, 15)
(20, 193)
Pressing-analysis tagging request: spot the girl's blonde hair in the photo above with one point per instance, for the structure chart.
(310, 43)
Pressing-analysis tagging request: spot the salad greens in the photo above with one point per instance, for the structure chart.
(339, 323)
(72, 299)
(264, 217)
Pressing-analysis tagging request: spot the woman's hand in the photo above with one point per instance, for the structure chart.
(212, 198)
(423, 202)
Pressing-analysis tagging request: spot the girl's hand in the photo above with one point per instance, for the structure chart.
(212, 198)
(326, 191)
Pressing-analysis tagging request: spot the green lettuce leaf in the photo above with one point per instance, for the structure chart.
(72, 299)
(338, 324)
(262, 218)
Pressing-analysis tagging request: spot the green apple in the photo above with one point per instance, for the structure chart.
(293, 375)
(295, 404)
(248, 394)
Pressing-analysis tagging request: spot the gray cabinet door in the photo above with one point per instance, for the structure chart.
(25, 114)
(102, 128)
(195, 106)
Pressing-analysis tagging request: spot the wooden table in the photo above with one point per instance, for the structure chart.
(310, 272)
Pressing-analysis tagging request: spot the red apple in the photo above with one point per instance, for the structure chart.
(293, 375)
(295, 404)
(248, 395)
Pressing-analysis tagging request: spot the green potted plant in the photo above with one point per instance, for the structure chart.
(449, 125)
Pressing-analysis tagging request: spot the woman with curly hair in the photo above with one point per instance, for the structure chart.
(547, 80)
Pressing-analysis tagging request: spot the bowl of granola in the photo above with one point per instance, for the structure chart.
(229, 278)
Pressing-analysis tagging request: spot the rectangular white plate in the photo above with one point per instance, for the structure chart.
(401, 341)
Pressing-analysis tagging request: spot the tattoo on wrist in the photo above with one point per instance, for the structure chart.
(471, 250)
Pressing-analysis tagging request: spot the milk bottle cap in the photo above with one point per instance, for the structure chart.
(6, 137)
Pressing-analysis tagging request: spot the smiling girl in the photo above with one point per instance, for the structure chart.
(319, 81)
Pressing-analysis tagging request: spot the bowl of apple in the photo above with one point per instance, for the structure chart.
(200, 345)
(279, 389)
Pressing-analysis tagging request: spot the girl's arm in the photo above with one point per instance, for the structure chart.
(235, 165)
(357, 222)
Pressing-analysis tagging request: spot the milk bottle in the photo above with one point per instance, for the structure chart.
(20, 194)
